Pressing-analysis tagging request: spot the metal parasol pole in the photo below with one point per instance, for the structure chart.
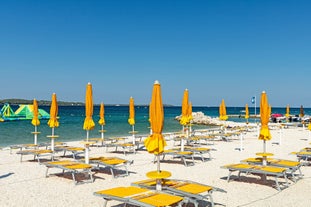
(52, 140)
(35, 135)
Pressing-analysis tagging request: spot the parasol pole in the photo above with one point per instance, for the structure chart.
(102, 133)
(35, 135)
(87, 148)
(241, 142)
(159, 183)
(133, 134)
(52, 140)
(280, 134)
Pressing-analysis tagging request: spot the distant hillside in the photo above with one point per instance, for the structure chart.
(14, 101)
(40, 102)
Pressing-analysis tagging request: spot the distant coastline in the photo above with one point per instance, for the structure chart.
(40, 102)
(14, 101)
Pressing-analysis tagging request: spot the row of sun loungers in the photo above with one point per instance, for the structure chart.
(189, 153)
(304, 155)
(37, 153)
(112, 163)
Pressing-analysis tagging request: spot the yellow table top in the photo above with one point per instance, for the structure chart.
(133, 132)
(158, 174)
(102, 130)
(264, 154)
(52, 136)
(35, 132)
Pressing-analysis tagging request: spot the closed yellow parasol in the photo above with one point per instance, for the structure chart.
(88, 121)
(101, 121)
(35, 120)
(184, 120)
(131, 119)
(101, 115)
(246, 112)
(53, 121)
(155, 143)
(222, 111)
(264, 119)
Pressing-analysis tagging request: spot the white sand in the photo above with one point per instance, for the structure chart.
(25, 184)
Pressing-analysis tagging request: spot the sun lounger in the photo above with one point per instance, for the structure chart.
(71, 167)
(126, 147)
(137, 196)
(192, 191)
(277, 172)
(292, 166)
(183, 155)
(113, 163)
(304, 155)
(37, 153)
(75, 151)
(26, 146)
(200, 151)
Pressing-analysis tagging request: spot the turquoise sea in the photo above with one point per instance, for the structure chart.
(71, 122)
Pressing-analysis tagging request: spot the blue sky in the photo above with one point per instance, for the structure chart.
(230, 50)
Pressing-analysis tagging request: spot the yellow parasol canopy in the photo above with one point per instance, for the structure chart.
(35, 120)
(222, 111)
(246, 111)
(287, 111)
(184, 108)
(53, 122)
(88, 121)
(131, 119)
(264, 118)
(301, 113)
(155, 143)
(101, 115)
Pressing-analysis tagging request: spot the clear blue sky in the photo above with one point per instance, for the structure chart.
(230, 50)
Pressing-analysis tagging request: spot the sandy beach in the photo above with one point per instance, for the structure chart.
(24, 183)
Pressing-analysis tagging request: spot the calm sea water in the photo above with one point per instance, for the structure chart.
(72, 117)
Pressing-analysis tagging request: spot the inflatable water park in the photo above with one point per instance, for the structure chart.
(24, 112)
